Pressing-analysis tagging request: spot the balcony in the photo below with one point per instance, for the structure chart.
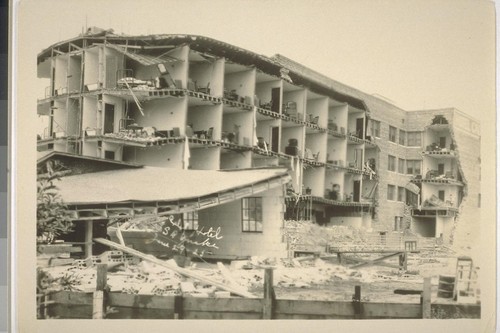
(433, 202)
(292, 199)
(135, 136)
(345, 201)
(434, 150)
(433, 177)
(434, 212)
(354, 138)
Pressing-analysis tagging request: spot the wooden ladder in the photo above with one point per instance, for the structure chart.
(465, 281)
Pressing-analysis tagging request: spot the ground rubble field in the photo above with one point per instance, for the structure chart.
(305, 279)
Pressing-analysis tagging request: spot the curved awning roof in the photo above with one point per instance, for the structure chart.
(153, 184)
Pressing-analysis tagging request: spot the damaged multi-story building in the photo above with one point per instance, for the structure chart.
(192, 103)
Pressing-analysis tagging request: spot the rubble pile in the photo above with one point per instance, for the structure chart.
(147, 278)
(131, 275)
(305, 232)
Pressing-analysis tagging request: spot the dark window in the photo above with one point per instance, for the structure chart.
(391, 192)
(110, 155)
(401, 194)
(398, 223)
(441, 195)
(391, 163)
(251, 214)
(190, 220)
(413, 167)
(441, 169)
(401, 165)
(375, 124)
(402, 137)
(411, 199)
(392, 133)
(442, 142)
(414, 139)
(109, 118)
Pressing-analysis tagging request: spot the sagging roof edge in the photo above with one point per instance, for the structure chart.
(283, 178)
(218, 48)
(89, 158)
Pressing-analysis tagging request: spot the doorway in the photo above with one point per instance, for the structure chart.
(109, 118)
(275, 99)
(441, 169)
(442, 142)
(360, 129)
(356, 191)
(275, 138)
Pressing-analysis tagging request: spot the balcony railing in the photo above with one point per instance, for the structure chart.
(441, 152)
(433, 177)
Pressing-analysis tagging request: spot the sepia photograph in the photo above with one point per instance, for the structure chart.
(290, 161)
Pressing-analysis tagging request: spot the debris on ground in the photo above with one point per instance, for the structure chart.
(317, 276)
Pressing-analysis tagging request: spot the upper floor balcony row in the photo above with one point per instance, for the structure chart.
(137, 136)
(352, 131)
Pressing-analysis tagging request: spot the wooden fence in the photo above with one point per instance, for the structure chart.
(111, 305)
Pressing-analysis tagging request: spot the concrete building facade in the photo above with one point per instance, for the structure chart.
(191, 102)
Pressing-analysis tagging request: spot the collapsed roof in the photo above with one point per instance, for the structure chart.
(149, 184)
(275, 66)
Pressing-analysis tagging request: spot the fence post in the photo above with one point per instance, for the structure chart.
(98, 308)
(426, 299)
(267, 311)
(356, 301)
(179, 307)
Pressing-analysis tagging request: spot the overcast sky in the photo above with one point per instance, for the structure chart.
(417, 54)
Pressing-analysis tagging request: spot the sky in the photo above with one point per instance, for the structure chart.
(416, 54)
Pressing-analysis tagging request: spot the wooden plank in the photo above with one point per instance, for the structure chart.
(174, 268)
(88, 238)
(313, 307)
(141, 301)
(71, 298)
(139, 313)
(282, 316)
(391, 310)
(243, 305)
(375, 261)
(98, 305)
(60, 262)
(345, 309)
(426, 299)
(67, 311)
(101, 276)
(222, 315)
(267, 308)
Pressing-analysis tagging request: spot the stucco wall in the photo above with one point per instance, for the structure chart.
(235, 242)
